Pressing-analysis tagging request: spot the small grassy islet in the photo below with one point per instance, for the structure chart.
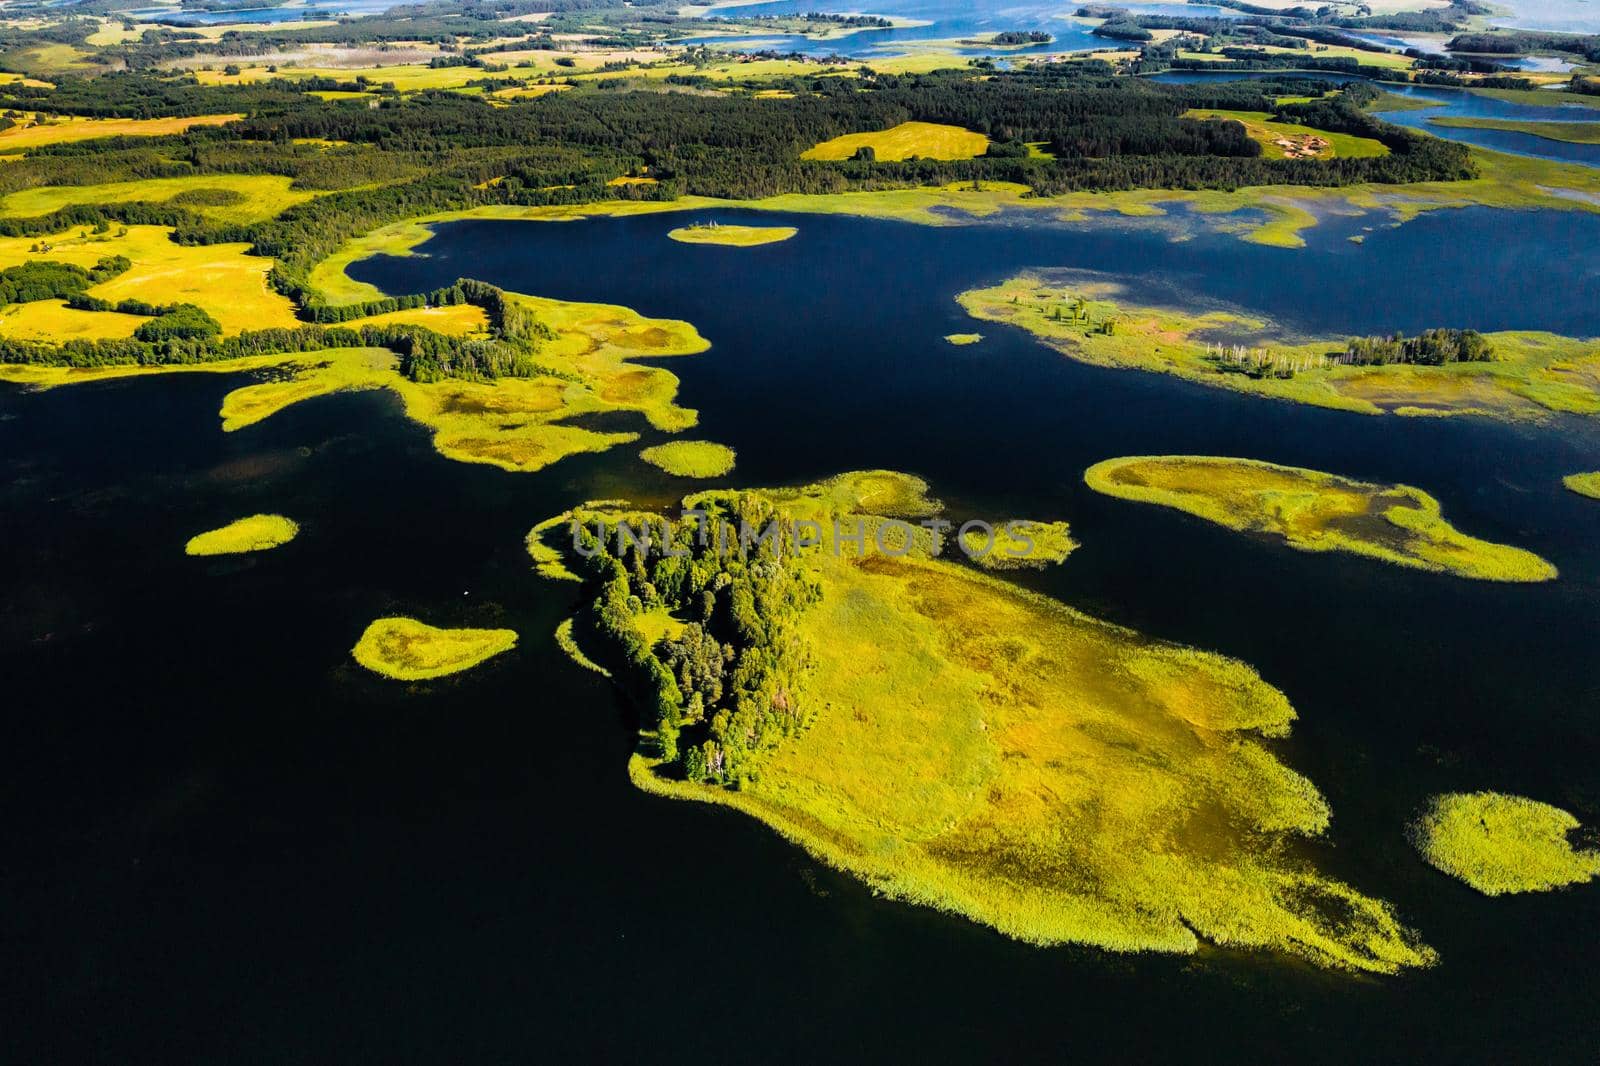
(1313, 511)
(1501, 844)
(260, 532)
(732, 236)
(405, 649)
(691, 458)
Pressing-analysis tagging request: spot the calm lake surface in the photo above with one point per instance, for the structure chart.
(240, 847)
(944, 21)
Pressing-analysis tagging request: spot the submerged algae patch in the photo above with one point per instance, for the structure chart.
(980, 749)
(256, 533)
(1314, 511)
(1501, 844)
(408, 650)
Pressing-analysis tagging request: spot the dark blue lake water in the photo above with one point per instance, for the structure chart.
(235, 846)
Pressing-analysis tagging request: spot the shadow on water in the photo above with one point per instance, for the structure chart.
(231, 844)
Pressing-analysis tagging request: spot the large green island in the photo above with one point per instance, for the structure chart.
(957, 741)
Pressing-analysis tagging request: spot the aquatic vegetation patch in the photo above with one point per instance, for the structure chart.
(1570, 132)
(1081, 315)
(260, 532)
(1584, 484)
(1501, 844)
(923, 140)
(408, 650)
(569, 646)
(690, 458)
(960, 743)
(517, 424)
(963, 339)
(1314, 511)
(1019, 545)
(732, 236)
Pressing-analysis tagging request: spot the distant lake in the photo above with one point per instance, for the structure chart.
(1449, 102)
(241, 847)
(949, 20)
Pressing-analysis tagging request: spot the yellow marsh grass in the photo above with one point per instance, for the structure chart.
(230, 285)
(569, 645)
(264, 196)
(1313, 511)
(517, 424)
(993, 753)
(458, 320)
(1498, 843)
(253, 534)
(964, 339)
(1584, 484)
(927, 140)
(733, 236)
(690, 458)
(54, 321)
(1021, 545)
(408, 650)
(1531, 374)
(63, 129)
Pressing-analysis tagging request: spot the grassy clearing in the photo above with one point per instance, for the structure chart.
(408, 650)
(58, 129)
(1531, 375)
(993, 753)
(458, 320)
(925, 140)
(1584, 484)
(256, 533)
(54, 321)
(690, 458)
(1571, 132)
(732, 236)
(261, 196)
(1288, 140)
(1315, 512)
(230, 285)
(1501, 844)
